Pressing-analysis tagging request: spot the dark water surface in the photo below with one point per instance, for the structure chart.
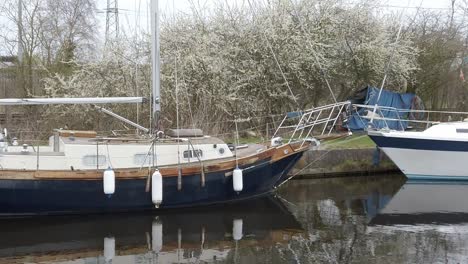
(344, 220)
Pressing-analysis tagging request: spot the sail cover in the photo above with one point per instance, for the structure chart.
(369, 95)
(84, 100)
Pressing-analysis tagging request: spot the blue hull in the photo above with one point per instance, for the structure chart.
(33, 197)
(420, 144)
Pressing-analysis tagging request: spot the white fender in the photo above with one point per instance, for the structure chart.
(276, 141)
(109, 181)
(237, 229)
(156, 188)
(157, 236)
(109, 248)
(237, 180)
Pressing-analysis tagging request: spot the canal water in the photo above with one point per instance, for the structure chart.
(382, 219)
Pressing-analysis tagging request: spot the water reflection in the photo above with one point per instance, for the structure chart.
(346, 220)
(426, 202)
(209, 234)
(381, 220)
(429, 220)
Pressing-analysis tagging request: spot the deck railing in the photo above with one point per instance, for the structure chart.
(379, 117)
(319, 121)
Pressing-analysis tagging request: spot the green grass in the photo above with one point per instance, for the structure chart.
(352, 142)
(355, 141)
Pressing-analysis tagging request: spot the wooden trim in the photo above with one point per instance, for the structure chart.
(77, 133)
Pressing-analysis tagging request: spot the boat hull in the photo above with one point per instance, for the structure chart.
(70, 196)
(423, 159)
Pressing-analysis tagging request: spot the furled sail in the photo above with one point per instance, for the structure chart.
(83, 100)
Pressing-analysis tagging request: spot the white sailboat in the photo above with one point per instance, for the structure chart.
(438, 151)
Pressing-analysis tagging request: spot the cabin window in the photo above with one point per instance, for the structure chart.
(462, 130)
(143, 159)
(188, 154)
(94, 160)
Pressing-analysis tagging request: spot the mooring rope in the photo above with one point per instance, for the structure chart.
(311, 47)
(276, 59)
(319, 158)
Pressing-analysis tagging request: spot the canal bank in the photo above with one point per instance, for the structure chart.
(324, 163)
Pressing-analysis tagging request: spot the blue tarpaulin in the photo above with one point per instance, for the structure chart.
(387, 98)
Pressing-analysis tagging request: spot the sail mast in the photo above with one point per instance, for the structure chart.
(156, 63)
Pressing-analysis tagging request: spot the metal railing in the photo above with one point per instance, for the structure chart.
(318, 121)
(381, 116)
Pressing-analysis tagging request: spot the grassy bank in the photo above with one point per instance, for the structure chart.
(356, 141)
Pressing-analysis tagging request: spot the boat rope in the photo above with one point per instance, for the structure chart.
(319, 158)
(392, 53)
(179, 169)
(286, 201)
(237, 145)
(152, 164)
(387, 67)
(311, 46)
(108, 155)
(267, 41)
(188, 99)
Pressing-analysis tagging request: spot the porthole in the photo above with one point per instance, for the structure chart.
(221, 151)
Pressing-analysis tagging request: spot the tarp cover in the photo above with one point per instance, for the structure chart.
(368, 96)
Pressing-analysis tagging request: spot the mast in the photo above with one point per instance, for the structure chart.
(156, 63)
(20, 31)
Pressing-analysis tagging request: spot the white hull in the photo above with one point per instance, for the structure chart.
(440, 151)
(424, 163)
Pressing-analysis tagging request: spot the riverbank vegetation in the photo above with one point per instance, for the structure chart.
(253, 62)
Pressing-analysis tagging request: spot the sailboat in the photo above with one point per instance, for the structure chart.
(439, 152)
(82, 172)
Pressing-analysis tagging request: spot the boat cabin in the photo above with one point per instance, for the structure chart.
(82, 150)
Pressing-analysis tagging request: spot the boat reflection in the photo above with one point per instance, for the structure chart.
(425, 222)
(328, 201)
(426, 202)
(211, 233)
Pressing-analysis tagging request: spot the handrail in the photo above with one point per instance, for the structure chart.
(399, 118)
(411, 110)
(302, 124)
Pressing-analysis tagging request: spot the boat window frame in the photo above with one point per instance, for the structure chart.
(192, 153)
(462, 130)
(142, 161)
(91, 160)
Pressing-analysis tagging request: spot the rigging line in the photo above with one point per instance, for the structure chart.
(137, 26)
(318, 159)
(187, 96)
(387, 67)
(237, 145)
(177, 111)
(275, 58)
(108, 155)
(322, 71)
